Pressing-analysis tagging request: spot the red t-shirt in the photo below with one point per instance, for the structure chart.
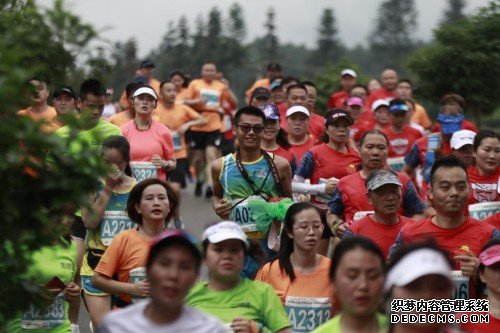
(331, 163)
(383, 235)
(493, 220)
(492, 326)
(157, 140)
(465, 125)
(316, 125)
(379, 94)
(473, 233)
(287, 154)
(337, 99)
(282, 107)
(353, 191)
(401, 143)
(482, 188)
(300, 150)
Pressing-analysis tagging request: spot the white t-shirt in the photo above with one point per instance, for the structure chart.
(132, 320)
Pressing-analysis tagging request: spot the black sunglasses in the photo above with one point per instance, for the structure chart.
(257, 129)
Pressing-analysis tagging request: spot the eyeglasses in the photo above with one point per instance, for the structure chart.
(306, 227)
(257, 129)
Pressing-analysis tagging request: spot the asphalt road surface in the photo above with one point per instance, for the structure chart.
(196, 213)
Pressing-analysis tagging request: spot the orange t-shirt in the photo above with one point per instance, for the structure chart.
(215, 93)
(181, 96)
(421, 117)
(126, 256)
(174, 118)
(51, 126)
(124, 117)
(312, 291)
(46, 115)
(259, 83)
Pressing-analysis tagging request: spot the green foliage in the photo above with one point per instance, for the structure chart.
(454, 12)
(270, 42)
(328, 47)
(465, 59)
(391, 40)
(40, 181)
(328, 80)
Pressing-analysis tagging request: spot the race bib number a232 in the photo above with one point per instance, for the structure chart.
(307, 313)
(143, 170)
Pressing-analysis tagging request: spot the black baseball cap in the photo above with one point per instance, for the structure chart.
(64, 90)
(147, 63)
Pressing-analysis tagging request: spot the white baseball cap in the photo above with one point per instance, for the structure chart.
(295, 109)
(378, 103)
(415, 265)
(145, 90)
(225, 230)
(462, 138)
(348, 71)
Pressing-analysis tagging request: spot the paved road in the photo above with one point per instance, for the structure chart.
(196, 214)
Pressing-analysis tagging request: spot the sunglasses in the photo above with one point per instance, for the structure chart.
(257, 129)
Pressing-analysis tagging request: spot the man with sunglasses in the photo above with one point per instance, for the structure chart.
(250, 172)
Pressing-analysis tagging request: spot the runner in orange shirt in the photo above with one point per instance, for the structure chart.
(260, 96)
(181, 83)
(339, 97)
(38, 109)
(178, 118)
(206, 95)
(65, 101)
(273, 72)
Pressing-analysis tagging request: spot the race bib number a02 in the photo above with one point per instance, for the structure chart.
(112, 223)
(461, 285)
(143, 170)
(137, 275)
(307, 313)
(49, 318)
(242, 214)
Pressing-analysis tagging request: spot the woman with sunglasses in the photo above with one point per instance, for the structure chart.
(274, 138)
(151, 143)
(298, 274)
(173, 266)
(150, 204)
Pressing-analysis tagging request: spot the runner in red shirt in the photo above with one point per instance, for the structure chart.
(384, 194)
(326, 163)
(350, 195)
(401, 137)
(297, 118)
(456, 105)
(388, 91)
(296, 94)
(380, 119)
(461, 146)
(274, 138)
(317, 122)
(484, 176)
(339, 97)
(456, 233)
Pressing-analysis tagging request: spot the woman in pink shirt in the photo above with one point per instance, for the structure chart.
(151, 143)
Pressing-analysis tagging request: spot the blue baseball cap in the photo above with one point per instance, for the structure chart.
(271, 111)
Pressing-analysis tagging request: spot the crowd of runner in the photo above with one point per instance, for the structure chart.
(367, 217)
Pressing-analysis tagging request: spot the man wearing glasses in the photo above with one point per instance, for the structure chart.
(250, 172)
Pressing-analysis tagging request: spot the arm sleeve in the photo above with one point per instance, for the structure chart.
(299, 187)
(306, 166)
(413, 157)
(412, 204)
(336, 205)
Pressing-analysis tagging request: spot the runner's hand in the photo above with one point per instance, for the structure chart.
(243, 325)
(140, 289)
(72, 292)
(157, 161)
(183, 129)
(469, 263)
(200, 101)
(223, 209)
(113, 177)
(330, 186)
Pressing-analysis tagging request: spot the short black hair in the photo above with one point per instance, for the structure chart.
(373, 131)
(40, 78)
(288, 79)
(406, 81)
(250, 110)
(164, 82)
(295, 86)
(132, 87)
(446, 162)
(483, 134)
(308, 84)
(161, 245)
(274, 66)
(92, 86)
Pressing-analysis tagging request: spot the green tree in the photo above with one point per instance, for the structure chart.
(329, 80)
(270, 42)
(125, 63)
(328, 46)
(391, 39)
(39, 179)
(465, 59)
(454, 12)
(237, 28)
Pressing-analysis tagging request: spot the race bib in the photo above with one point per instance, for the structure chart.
(484, 192)
(242, 214)
(112, 223)
(227, 125)
(480, 211)
(212, 97)
(49, 318)
(137, 275)
(177, 140)
(143, 170)
(307, 313)
(400, 145)
(461, 285)
(396, 163)
(359, 215)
